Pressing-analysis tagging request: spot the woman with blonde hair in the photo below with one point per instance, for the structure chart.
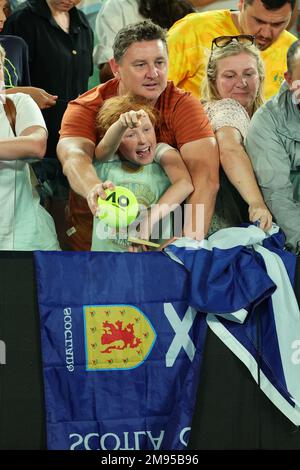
(232, 91)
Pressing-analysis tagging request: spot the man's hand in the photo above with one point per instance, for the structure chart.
(98, 191)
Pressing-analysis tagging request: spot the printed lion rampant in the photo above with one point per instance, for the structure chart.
(116, 332)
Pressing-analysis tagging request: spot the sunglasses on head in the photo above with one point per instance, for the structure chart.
(223, 41)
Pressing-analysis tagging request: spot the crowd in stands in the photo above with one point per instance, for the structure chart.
(192, 107)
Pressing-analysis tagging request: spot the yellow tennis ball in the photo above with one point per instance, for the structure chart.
(119, 209)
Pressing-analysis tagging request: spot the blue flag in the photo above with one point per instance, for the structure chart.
(243, 278)
(121, 350)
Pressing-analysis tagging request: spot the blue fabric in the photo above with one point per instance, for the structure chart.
(116, 403)
(101, 395)
(225, 278)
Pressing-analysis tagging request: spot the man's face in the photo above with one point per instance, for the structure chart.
(265, 25)
(143, 69)
(4, 12)
(63, 5)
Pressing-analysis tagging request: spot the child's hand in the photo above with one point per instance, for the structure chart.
(134, 248)
(144, 232)
(95, 192)
(132, 119)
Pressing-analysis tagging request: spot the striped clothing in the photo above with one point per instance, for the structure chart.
(189, 44)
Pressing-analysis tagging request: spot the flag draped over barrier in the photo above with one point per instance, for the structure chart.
(122, 342)
(258, 318)
(121, 350)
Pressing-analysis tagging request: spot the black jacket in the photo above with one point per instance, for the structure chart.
(60, 63)
(16, 71)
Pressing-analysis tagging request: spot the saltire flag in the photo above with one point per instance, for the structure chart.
(263, 332)
(121, 350)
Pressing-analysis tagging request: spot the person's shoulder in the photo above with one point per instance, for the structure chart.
(17, 96)
(227, 112)
(266, 114)
(176, 102)
(184, 23)
(201, 28)
(215, 14)
(285, 38)
(20, 98)
(161, 148)
(125, 4)
(81, 17)
(229, 104)
(201, 18)
(14, 46)
(280, 108)
(174, 94)
(10, 40)
(108, 5)
(111, 6)
(95, 96)
(115, 3)
(22, 19)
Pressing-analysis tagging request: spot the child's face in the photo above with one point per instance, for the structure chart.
(138, 144)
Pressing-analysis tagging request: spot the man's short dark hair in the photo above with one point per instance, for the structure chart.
(142, 31)
(273, 4)
(292, 51)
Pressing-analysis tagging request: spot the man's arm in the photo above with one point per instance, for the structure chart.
(272, 166)
(202, 160)
(76, 157)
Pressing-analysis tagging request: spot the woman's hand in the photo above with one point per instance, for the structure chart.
(258, 212)
(98, 191)
(42, 98)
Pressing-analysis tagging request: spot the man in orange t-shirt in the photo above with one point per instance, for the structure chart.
(140, 66)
